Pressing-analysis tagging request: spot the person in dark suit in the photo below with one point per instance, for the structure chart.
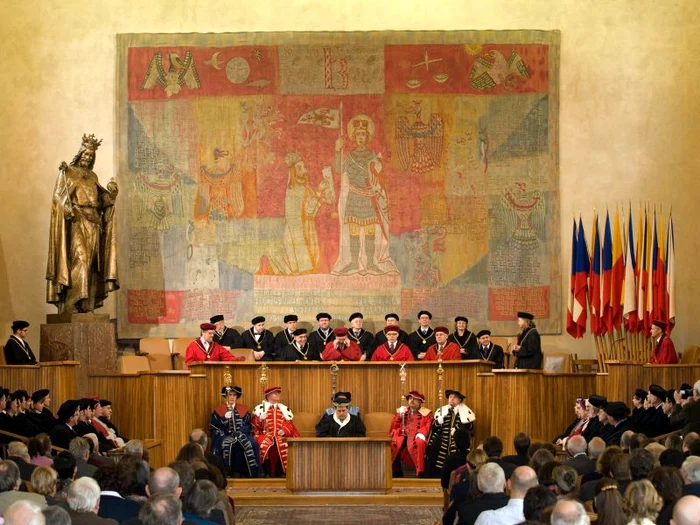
(423, 337)
(618, 420)
(17, 453)
(593, 426)
(106, 418)
(341, 423)
(286, 336)
(62, 433)
(227, 337)
(39, 413)
(491, 481)
(488, 350)
(465, 339)
(319, 338)
(390, 320)
(528, 351)
(576, 446)
(112, 503)
(493, 446)
(260, 340)
(299, 349)
(17, 350)
(521, 442)
(363, 338)
(654, 422)
(84, 502)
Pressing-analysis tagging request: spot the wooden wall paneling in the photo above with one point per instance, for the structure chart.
(484, 417)
(668, 376)
(557, 405)
(171, 398)
(623, 378)
(602, 384)
(59, 377)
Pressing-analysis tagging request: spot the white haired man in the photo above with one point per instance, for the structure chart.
(491, 481)
(9, 488)
(569, 512)
(84, 503)
(24, 512)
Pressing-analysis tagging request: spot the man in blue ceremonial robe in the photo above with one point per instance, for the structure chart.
(231, 437)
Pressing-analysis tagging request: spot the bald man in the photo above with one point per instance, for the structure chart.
(569, 512)
(686, 511)
(522, 479)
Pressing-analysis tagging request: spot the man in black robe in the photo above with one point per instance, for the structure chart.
(654, 422)
(391, 320)
(593, 405)
(465, 339)
(323, 334)
(488, 350)
(446, 420)
(227, 337)
(106, 418)
(528, 351)
(260, 340)
(341, 423)
(17, 350)
(363, 338)
(62, 433)
(39, 413)
(300, 349)
(423, 337)
(618, 420)
(286, 336)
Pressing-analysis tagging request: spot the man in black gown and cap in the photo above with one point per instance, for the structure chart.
(17, 350)
(341, 423)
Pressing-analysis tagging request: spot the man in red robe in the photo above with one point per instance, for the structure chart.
(664, 352)
(442, 349)
(409, 430)
(341, 348)
(393, 349)
(204, 349)
(272, 425)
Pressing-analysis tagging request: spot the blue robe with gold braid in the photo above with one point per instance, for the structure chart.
(232, 441)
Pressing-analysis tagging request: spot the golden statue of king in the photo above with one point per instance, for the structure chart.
(82, 263)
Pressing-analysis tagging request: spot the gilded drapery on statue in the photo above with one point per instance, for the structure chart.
(82, 261)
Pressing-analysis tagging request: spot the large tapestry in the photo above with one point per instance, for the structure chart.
(276, 173)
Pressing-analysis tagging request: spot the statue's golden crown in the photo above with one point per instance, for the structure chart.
(90, 142)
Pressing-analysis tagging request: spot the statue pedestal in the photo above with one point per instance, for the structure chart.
(87, 338)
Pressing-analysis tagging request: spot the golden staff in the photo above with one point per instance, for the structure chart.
(334, 378)
(402, 379)
(228, 379)
(263, 379)
(440, 371)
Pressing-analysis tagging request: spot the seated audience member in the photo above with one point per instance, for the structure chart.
(684, 398)
(65, 468)
(463, 486)
(134, 476)
(686, 511)
(688, 441)
(576, 446)
(664, 352)
(638, 399)
(521, 442)
(62, 433)
(596, 447)
(593, 424)
(185, 473)
(569, 512)
(380, 337)
(24, 512)
(12, 420)
(392, 348)
(465, 339)
(618, 421)
(522, 479)
(537, 499)
(642, 503)
(565, 481)
(540, 458)
(408, 432)
(232, 441)
(546, 475)
(612, 463)
(259, 340)
(286, 337)
(626, 440)
(341, 348)
(17, 350)
(360, 336)
(9, 488)
(38, 411)
(39, 449)
(642, 462)
(299, 349)
(669, 485)
(44, 483)
(656, 449)
(272, 425)
(56, 515)
(106, 418)
(17, 452)
(654, 422)
(443, 349)
(205, 350)
(200, 437)
(323, 334)
(671, 457)
(134, 447)
(491, 480)
(608, 503)
(341, 423)
(200, 503)
(446, 421)
(112, 502)
(422, 337)
(161, 509)
(674, 442)
(227, 337)
(488, 350)
(638, 440)
(84, 502)
(80, 449)
(107, 436)
(493, 446)
(690, 471)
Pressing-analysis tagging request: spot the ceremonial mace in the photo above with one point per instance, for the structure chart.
(263, 379)
(334, 378)
(402, 378)
(228, 378)
(440, 371)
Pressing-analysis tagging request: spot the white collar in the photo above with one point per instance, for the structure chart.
(19, 339)
(341, 423)
(204, 343)
(111, 493)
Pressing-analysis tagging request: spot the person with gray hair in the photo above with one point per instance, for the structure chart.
(24, 512)
(134, 448)
(569, 512)
(56, 515)
(576, 446)
(84, 503)
(80, 450)
(596, 446)
(161, 509)
(200, 437)
(690, 471)
(491, 481)
(522, 479)
(9, 488)
(18, 452)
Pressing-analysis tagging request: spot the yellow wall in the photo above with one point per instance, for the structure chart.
(629, 109)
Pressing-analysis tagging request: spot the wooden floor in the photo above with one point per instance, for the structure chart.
(267, 491)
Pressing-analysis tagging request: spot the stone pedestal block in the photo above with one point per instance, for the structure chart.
(87, 338)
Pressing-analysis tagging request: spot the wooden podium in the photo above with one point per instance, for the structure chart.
(342, 465)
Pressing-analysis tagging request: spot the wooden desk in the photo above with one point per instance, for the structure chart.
(343, 465)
